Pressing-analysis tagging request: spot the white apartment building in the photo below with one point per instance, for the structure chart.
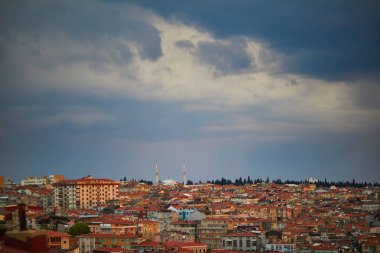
(34, 181)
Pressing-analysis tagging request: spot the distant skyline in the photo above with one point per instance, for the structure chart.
(285, 90)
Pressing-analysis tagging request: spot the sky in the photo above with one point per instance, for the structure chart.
(278, 89)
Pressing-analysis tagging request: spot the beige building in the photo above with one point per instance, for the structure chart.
(56, 178)
(34, 181)
(212, 229)
(65, 194)
(246, 241)
(87, 192)
(57, 240)
(43, 180)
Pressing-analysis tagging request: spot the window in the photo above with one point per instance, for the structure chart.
(248, 243)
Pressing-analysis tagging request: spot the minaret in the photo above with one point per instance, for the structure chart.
(184, 173)
(157, 174)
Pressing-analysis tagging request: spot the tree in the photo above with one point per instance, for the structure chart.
(79, 229)
(52, 220)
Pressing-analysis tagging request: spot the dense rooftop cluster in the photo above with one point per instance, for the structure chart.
(171, 217)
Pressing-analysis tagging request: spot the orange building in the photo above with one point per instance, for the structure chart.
(58, 240)
(87, 192)
(88, 242)
(56, 178)
(112, 226)
(2, 182)
(148, 229)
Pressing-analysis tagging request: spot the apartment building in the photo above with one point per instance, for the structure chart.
(87, 192)
(34, 181)
(212, 229)
(88, 242)
(148, 229)
(246, 241)
(55, 178)
(165, 217)
(186, 227)
(282, 247)
(65, 194)
(43, 180)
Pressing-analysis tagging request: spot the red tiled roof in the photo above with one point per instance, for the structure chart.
(118, 249)
(245, 234)
(84, 180)
(185, 222)
(185, 244)
(324, 246)
(109, 235)
(149, 244)
(225, 251)
(51, 233)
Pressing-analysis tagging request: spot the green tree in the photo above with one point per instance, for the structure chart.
(79, 229)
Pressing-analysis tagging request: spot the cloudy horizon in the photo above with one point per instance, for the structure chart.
(235, 88)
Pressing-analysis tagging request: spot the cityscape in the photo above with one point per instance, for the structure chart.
(55, 214)
(193, 126)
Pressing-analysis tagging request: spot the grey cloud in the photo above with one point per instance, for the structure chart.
(184, 44)
(39, 38)
(227, 58)
(292, 81)
(333, 40)
(87, 22)
(366, 96)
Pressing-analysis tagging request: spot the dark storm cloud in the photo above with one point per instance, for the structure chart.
(227, 58)
(184, 44)
(334, 40)
(85, 21)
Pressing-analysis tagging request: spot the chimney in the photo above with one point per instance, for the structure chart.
(22, 217)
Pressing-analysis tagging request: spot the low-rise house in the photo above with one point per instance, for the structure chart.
(371, 246)
(58, 240)
(147, 246)
(320, 248)
(112, 226)
(192, 246)
(112, 250)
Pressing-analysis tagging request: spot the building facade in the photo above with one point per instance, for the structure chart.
(87, 192)
(58, 240)
(34, 181)
(211, 231)
(283, 247)
(246, 241)
(88, 242)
